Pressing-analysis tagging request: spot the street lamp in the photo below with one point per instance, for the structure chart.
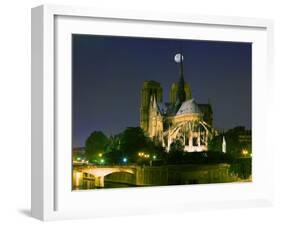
(147, 156)
(245, 152)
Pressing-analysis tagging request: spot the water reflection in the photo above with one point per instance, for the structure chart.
(85, 184)
(79, 182)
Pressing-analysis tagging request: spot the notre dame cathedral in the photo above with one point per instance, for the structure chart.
(181, 119)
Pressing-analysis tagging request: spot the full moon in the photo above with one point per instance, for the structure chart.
(178, 57)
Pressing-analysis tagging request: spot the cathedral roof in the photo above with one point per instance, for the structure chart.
(189, 106)
(162, 108)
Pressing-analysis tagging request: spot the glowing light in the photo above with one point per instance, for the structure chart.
(144, 155)
(78, 159)
(245, 152)
(154, 157)
(100, 155)
(125, 159)
(102, 161)
(78, 177)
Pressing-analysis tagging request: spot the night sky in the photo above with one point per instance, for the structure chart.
(108, 73)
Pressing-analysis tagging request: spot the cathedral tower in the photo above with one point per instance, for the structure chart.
(174, 91)
(155, 122)
(149, 89)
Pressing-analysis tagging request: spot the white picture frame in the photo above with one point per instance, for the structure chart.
(52, 197)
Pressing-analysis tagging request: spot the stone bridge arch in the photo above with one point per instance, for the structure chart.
(100, 172)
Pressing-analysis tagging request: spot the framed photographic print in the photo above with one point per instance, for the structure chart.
(136, 112)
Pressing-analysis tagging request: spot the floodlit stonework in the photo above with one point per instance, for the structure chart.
(181, 119)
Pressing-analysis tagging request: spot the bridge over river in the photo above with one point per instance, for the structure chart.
(134, 175)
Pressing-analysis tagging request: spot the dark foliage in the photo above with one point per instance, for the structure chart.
(96, 143)
(234, 143)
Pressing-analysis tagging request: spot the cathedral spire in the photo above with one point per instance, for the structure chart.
(153, 101)
(181, 95)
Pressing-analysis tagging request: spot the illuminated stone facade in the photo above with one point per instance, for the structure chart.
(181, 119)
(149, 89)
(174, 90)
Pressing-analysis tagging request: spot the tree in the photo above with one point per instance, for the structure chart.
(96, 143)
(133, 140)
(176, 152)
(234, 144)
(125, 145)
(113, 154)
(176, 146)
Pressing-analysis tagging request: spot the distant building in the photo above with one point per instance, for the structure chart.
(245, 140)
(78, 153)
(245, 137)
(180, 119)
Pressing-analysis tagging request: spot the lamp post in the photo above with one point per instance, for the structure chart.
(125, 160)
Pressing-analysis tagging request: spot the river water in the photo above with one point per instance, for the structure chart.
(85, 184)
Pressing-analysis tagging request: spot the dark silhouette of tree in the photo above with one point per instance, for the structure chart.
(234, 145)
(96, 143)
(176, 146)
(132, 141)
(176, 153)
